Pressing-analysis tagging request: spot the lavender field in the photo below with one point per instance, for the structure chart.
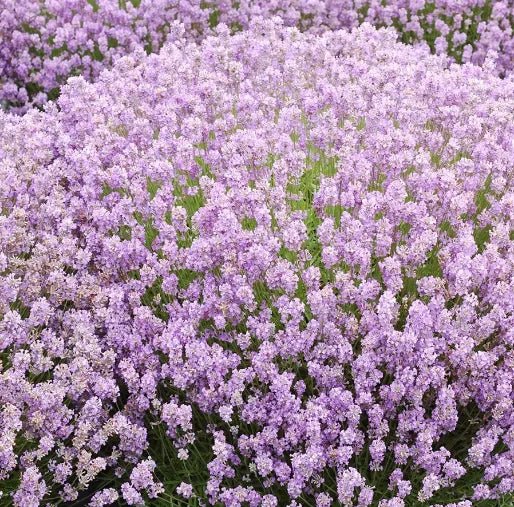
(257, 253)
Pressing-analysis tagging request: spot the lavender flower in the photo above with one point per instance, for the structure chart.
(295, 250)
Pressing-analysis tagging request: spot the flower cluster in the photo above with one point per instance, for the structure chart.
(294, 249)
(46, 41)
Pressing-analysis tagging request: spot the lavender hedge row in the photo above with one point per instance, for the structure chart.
(43, 42)
(273, 269)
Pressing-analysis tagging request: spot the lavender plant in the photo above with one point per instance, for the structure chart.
(275, 268)
(44, 42)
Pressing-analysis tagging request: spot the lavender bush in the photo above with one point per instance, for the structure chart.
(273, 269)
(43, 42)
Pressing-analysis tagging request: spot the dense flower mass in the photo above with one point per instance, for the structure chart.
(291, 251)
(46, 41)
